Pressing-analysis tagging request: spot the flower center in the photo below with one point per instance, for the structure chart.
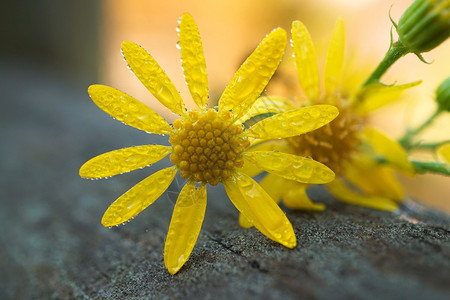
(207, 146)
(332, 144)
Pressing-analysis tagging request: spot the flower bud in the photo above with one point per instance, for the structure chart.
(443, 95)
(424, 25)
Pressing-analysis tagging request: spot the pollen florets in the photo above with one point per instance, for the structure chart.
(333, 143)
(207, 146)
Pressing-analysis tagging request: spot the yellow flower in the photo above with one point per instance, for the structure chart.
(207, 146)
(347, 144)
(443, 152)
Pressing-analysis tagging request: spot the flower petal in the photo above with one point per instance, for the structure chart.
(249, 167)
(296, 198)
(268, 145)
(193, 60)
(293, 193)
(388, 149)
(377, 95)
(444, 152)
(244, 222)
(291, 166)
(345, 194)
(305, 60)
(145, 67)
(187, 219)
(257, 206)
(335, 59)
(374, 179)
(128, 110)
(123, 160)
(293, 122)
(139, 197)
(275, 186)
(254, 74)
(267, 106)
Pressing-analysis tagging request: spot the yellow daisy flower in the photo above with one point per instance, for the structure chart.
(207, 146)
(347, 144)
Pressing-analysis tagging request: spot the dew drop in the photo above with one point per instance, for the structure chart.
(251, 194)
(181, 259)
(245, 183)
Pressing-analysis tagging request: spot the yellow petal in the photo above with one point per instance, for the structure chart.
(345, 194)
(123, 160)
(244, 222)
(193, 60)
(335, 58)
(444, 152)
(293, 193)
(291, 166)
(275, 186)
(305, 60)
(388, 149)
(295, 197)
(269, 145)
(355, 72)
(128, 110)
(138, 198)
(250, 168)
(374, 179)
(377, 95)
(254, 74)
(187, 219)
(266, 105)
(145, 67)
(293, 122)
(257, 206)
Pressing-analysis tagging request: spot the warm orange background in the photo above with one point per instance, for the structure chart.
(231, 29)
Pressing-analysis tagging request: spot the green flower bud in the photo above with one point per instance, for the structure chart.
(424, 25)
(443, 95)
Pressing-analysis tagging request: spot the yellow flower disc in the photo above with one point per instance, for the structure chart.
(332, 144)
(207, 146)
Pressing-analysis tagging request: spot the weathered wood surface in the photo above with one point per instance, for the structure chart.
(53, 245)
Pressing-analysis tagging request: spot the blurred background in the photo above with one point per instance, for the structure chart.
(68, 45)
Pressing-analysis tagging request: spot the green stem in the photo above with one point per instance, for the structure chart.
(255, 119)
(406, 140)
(423, 167)
(431, 167)
(394, 53)
(430, 146)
